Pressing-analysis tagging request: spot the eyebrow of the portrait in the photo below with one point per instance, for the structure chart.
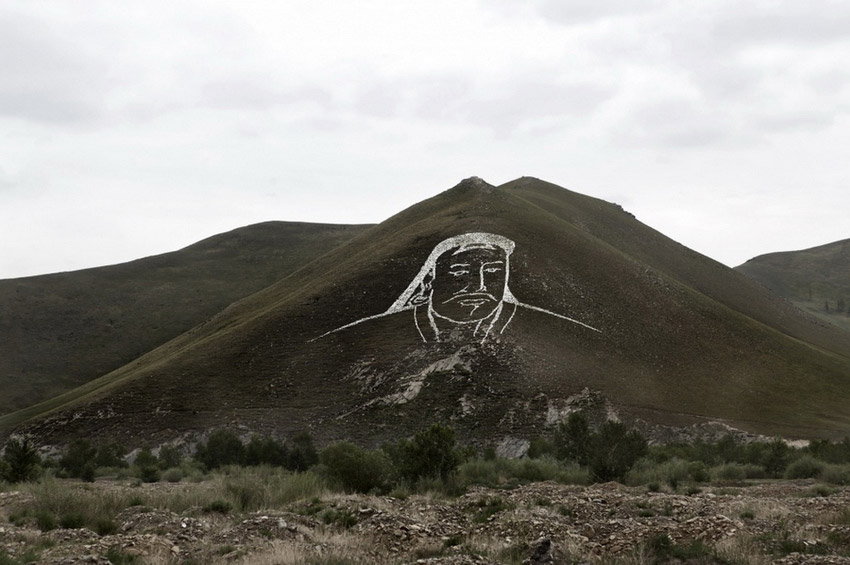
(459, 265)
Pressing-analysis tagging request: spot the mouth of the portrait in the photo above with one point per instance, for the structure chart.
(475, 299)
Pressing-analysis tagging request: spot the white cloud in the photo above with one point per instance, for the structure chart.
(137, 127)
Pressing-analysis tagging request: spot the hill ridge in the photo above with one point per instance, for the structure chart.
(681, 333)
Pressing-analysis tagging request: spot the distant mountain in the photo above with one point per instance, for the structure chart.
(59, 331)
(817, 280)
(494, 309)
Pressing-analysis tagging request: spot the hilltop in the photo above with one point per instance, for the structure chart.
(816, 280)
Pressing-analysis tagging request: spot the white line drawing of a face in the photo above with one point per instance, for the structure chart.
(469, 283)
(463, 282)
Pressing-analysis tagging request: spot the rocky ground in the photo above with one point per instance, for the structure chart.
(770, 522)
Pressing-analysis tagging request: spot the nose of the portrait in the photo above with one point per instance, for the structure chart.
(482, 284)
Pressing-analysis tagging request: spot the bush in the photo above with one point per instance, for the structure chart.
(614, 450)
(173, 475)
(671, 472)
(21, 461)
(573, 438)
(169, 457)
(88, 473)
(222, 448)
(540, 447)
(265, 451)
(302, 455)
(735, 472)
(110, 455)
(699, 472)
(146, 458)
(729, 472)
(836, 474)
(355, 468)
(430, 454)
(80, 453)
(776, 458)
(105, 527)
(806, 467)
(149, 474)
(72, 521)
(45, 520)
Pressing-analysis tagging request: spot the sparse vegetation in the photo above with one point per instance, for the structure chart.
(443, 471)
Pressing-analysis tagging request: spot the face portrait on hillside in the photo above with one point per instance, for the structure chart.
(469, 283)
(462, 290)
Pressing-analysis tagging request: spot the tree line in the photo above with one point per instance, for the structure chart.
(574, 449)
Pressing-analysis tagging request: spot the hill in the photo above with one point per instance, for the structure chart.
(62, 330)
(816, 280)
(561, 300)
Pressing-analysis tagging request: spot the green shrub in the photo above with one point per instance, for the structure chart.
(820, 491)
(539, 447)
(79, 454)
(110, 455)
(169, 457)
(355, 468)
(193, 470)
(88, 473)
(71, 521)
(105, 527)
(776, 458)
(222, 448)
(614, 450)
(501, 472)
(806, 467)
(450, 486)
(342, 517)
(173, 475)
(45, 520)
(730, 472)
(672, 472)
(429, 454)
(829, 452)
(266, 451)
(836, 474)
(572, 440)
(536, 470)
(145, 458)
(699, 472)
(21, 461)
(486, 508)
(735, 472)
(302, 455)
(149, 474)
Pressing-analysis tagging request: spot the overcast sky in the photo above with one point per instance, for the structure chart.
(134, 128)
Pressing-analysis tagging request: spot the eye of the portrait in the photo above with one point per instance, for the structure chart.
(459, 272)
(492, 269)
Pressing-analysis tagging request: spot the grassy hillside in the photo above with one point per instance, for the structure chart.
(62, 330)
(682, 339)
(816, 280)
